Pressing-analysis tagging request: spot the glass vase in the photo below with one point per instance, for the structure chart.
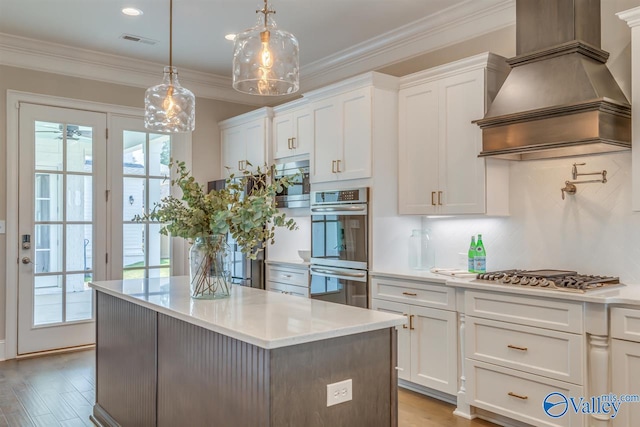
(210, 268)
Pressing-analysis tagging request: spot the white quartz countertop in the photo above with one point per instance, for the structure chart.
(411, 274)
(616, 294)
(265, 319)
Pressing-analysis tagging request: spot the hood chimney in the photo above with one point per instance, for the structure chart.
(560, 98)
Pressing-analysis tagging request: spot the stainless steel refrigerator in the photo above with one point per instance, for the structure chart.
(244, 271)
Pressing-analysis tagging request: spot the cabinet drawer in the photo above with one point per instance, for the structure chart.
(529, 311)
(553, 354)
(625, 324)
(300, 291)
(288, 275)
(520, 395)
(413, 292)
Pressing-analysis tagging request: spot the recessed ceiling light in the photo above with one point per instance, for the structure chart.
(131, 11)
(230, 37)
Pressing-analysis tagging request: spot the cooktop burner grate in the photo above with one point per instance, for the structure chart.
(561, 280)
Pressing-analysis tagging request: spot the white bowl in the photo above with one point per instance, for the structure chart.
(305, 254)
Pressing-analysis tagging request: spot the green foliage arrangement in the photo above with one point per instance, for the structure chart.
(250, 218)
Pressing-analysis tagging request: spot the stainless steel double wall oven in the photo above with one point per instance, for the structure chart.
(339, 246)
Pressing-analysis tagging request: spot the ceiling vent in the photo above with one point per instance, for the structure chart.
(138, 39)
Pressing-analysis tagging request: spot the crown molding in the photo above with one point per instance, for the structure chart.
(456, 24)
(260, 113)
(87, 64)
(453, 25)
(632, 16)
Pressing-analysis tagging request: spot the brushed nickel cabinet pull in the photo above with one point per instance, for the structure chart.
(411, 328)
(440, 198)
(517, 395)
(515, 347)
(433, 195)
(404, 326)
(409, 294)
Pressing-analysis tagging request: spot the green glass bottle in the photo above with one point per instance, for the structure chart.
(480, 260)
(472, 255)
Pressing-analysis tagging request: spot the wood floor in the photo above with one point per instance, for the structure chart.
(59, 390)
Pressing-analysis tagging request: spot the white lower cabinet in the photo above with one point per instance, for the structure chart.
(288, 279)
(519, 350)
(427, 343)
(625, 363)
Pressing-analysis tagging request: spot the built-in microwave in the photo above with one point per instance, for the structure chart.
(297, 195)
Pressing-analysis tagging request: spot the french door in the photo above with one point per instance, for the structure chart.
(78, 195)
(62, 225)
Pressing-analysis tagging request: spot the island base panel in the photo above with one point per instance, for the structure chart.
(125, 363)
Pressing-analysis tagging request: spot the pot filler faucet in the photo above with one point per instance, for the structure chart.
(570, 186)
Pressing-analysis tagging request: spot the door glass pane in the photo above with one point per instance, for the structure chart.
(159, 154)
(159, 272)
(133, 156)
(133, 245)
(133, 197)
(79, 148)
(48, 197)
(158, 189)
(158, 246)
(47, 300)
(79, 198)
(48, 249)
(79, 244)
(79, 297)
(48, 150)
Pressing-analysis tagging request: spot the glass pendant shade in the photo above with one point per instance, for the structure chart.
(265, 60)
(168, 107)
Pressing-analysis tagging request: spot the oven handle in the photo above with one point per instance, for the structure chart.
(337, 272)
(357, 208)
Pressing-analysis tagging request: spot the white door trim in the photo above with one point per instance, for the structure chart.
(14, 98)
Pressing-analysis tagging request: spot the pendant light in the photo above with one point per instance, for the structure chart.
(168, 107)
(265, 59)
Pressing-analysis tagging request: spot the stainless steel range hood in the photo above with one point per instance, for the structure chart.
(560, 98)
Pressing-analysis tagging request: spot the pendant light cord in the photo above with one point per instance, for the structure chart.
(171, 36)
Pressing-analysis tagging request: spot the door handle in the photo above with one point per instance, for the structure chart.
(26, 260)
(440, 198)
(433, 195)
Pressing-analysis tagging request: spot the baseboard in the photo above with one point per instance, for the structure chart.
(445, 397)
(3, 354)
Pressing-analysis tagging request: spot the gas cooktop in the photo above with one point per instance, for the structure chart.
(560, 280)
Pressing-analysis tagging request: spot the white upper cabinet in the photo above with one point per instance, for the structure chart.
(292, 130)
(439, 168)
(343, 117)
(244, 140)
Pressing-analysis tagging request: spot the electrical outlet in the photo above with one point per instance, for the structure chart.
(339, 392)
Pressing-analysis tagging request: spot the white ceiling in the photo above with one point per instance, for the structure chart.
(324, 28)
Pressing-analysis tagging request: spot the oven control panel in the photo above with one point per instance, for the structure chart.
(356, 195)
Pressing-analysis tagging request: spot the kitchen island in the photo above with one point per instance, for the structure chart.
(255, 359)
